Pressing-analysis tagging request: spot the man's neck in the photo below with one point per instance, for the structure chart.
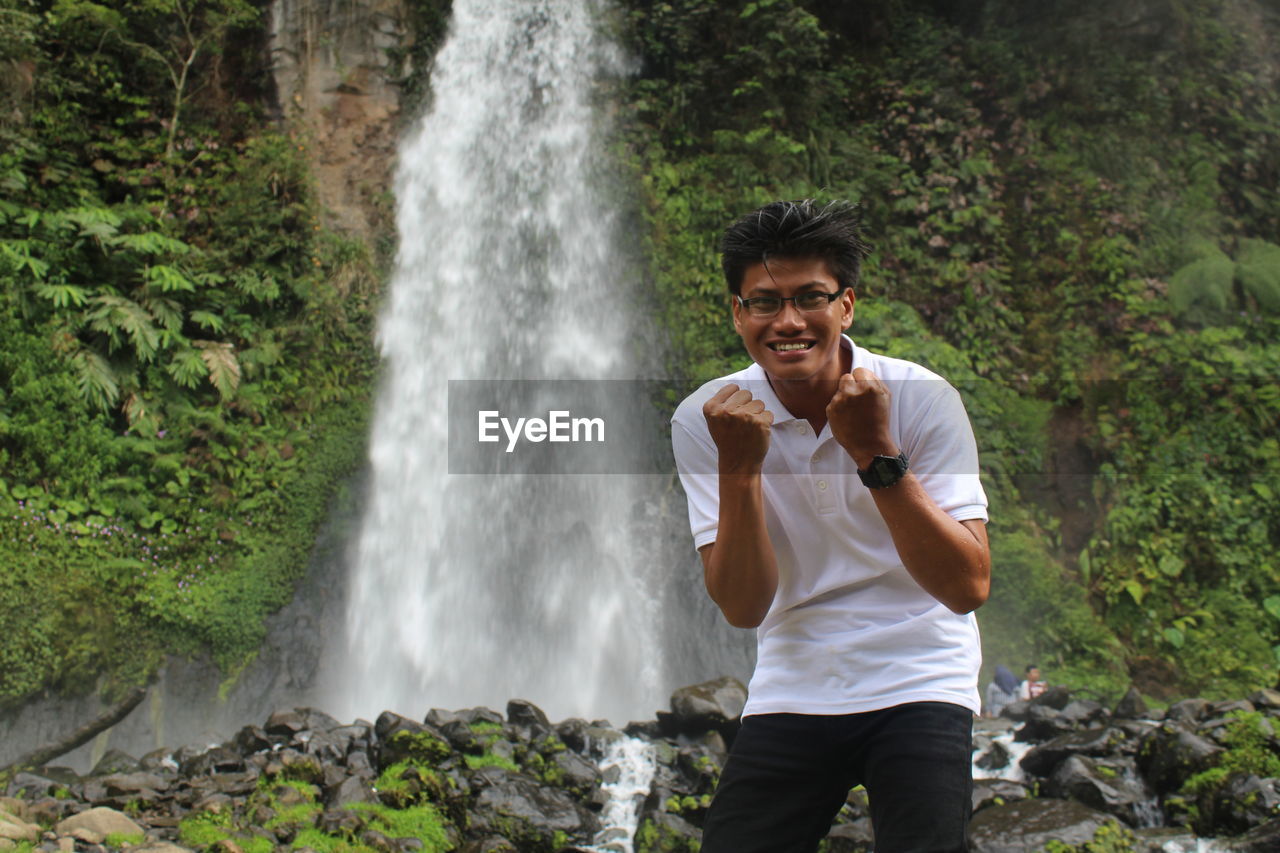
(808, 398)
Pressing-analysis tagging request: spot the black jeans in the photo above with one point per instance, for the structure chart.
(788, 775)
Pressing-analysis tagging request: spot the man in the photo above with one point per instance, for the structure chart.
(1032, 685)
(834, 499)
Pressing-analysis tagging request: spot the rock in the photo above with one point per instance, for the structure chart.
(103, 821)
(1263, 838)
(390, 724)
(127, 783)
(14, 828)
(1241, 803)
(1109, 786)
(285, 724)
(353, 789)
(1056, 697)
(1171, 754)
(115, 761)
(661, 832)
(1163, 839)
(491, 844)
(159, 761)
(994, 757)
(461, 737)
(13, 807)
(1266, 699)
(343, 822)
(88, 836)
(215, 803)
(521, 712)
(251, 739)
(1032, 824)
(482, 715)
(1016, 711)
(1042, 759)
(854, 837)
(219, 759)
(710, 705)
(579, 775)
(529, 813)
(1083, 712)
(158, 847)
(996, 792)
(1187, 711)
(1043, 722)
(1131, 706)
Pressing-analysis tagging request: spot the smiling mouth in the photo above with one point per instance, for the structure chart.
(791, 347)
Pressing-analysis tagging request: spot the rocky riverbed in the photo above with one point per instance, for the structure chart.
(1199, 776)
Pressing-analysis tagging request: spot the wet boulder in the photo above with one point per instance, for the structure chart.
(1111, 786)
(1131, 706)
(528, 813)
(996, 792)
(1032, 824)
(1041, 760)
(1172, 753)
(1242, 802)
(711, 705)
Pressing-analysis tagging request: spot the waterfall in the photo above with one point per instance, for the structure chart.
(471, 590)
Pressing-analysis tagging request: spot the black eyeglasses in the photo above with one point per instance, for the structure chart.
(768, 306)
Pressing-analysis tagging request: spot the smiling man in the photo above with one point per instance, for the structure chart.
(834, 499)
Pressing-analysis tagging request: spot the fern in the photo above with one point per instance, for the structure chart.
(224, 369)
(63, 295)
(96, 379)
(152, 243)
(1203, 285)
(187, 367)
(116, 314)
(1258, 271)
(168, 279)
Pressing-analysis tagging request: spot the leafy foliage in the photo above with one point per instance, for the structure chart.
(184, 348)
(1082, 219)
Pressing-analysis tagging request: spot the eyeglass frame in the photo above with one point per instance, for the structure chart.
(745, 305)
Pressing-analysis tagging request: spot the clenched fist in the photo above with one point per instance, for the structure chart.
(859, 417)
(739, 426)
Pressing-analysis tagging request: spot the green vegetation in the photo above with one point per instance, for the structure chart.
(184, 347)
(1111, 837)
(1075, 222)
(1250, 749)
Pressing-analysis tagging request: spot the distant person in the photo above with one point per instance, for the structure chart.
(1002, 690)
(1032, 686)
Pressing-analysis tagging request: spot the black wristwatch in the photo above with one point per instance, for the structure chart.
(884, 471)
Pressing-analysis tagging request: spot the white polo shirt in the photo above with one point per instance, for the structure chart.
(849, 630)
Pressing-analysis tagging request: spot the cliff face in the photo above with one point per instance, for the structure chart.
(338, 67)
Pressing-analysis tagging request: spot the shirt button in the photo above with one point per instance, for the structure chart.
(822, 485)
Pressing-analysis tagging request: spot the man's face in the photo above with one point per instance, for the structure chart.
(1033, 674)
(794, 344)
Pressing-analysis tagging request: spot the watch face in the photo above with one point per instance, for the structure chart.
(884, 471)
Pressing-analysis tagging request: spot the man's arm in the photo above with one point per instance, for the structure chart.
(739, 568)
(949, 559)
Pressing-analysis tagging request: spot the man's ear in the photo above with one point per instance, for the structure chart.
(736, 308)
(847, 302)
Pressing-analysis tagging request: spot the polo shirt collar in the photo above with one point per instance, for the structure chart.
(762, 390)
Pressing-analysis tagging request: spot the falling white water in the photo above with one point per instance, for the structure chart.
(472, 590)
(633, 761)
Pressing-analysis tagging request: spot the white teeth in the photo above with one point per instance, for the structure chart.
(790, 347)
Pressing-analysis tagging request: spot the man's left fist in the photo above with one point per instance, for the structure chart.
(859, 417)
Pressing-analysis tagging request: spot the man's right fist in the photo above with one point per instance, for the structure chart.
(739, 426)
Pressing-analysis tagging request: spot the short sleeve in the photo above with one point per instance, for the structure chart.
(944, 456)
(697, 465)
